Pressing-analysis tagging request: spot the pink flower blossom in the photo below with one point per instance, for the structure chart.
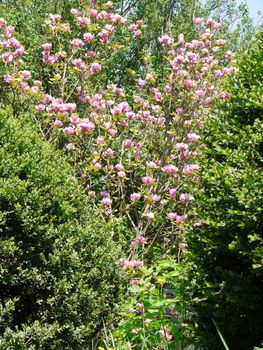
(47, 46)
(121, 174)
(135, 197)
(190, 169)
(186, 197)
(147, 180)
(135, 282)
(88, 36)
(109, 153)
(100, 140)
(151, 165)
(69, 131)
(58, 123)
(170, 169)
(70, 146)
(229, 55)
(172, 193)
(2, 22)
(86, 127)
(166, 334)
(166, 240)
(175, 217)
(181, 147)
(193, 137)
(119, 167)
(155, 197)
(8, 78)
(127, 143)
(198, 21)
(95, 68)
(166, 40)
(150, 215)
(106, 201)
(75, 12)
(77, 43)
(183, 245)
(140, 240)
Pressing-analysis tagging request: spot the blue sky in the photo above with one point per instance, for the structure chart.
(254, 7)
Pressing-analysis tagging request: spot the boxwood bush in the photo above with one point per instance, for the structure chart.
(225, 257)
(59, 271)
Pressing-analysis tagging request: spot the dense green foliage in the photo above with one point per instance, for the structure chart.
(227, 253)
(59, 273)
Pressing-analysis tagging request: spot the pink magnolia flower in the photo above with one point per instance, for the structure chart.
(127, 143)
(166, 40)
(88, 36)
(166, 334)
(183, 245)
(150, 215)
(106, 201)
(135, 197)
(147, 180)
(175, 217)
(109, 153)
(198, 21)
(92, 194)
(155, 197)
(172, 193)
(186, 197)
(2, 22)
(8, 79)
(77, 43)
(95, 68)
(140, 240)
(151, 165)
(119, 167)
(193, 137)
(69, 131)
(170, 169)
(190, 169)
(70, 146)
(181, 147)
(86, 127)
(58, 123)
(166, 240)
(121, 174)
(229, 54)
(47, 46)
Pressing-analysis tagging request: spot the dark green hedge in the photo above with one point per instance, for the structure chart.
(225, 257)
(59, 273)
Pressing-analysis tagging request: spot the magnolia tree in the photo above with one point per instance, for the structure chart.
(136, 152)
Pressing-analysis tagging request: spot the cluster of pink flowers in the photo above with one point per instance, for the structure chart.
(139, 159)
(10, 48)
